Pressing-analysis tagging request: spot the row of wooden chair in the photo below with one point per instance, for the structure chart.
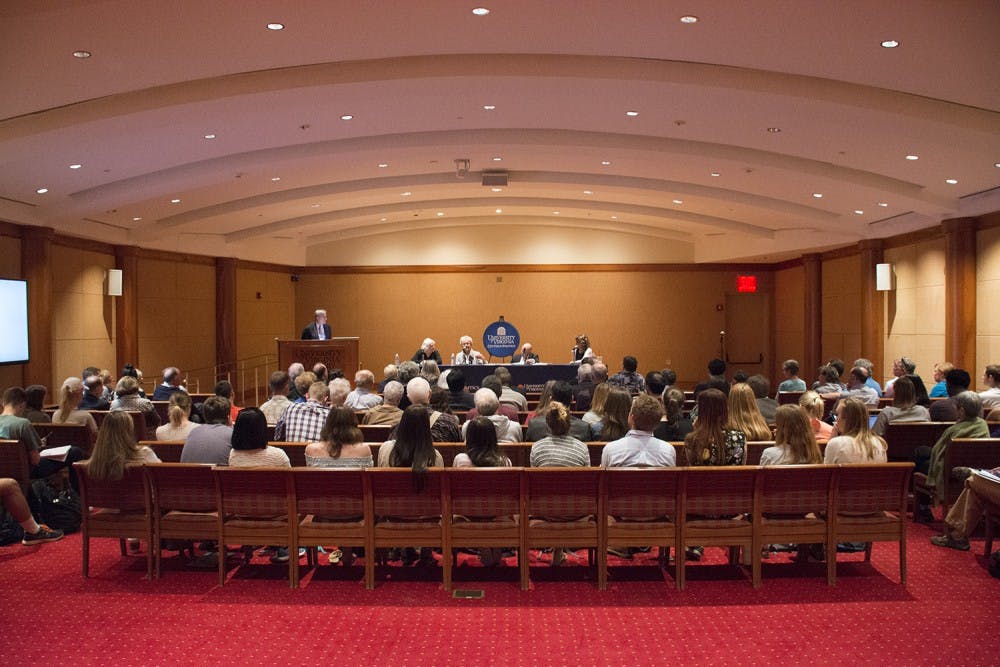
(594, 508)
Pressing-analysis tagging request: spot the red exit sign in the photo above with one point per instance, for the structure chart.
(746, 284)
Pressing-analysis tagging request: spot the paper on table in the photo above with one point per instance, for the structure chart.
(56, 453)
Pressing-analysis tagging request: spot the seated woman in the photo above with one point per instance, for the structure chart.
(250, 448)
(70, 396)
(596, 412)
(853, 440)
(543, 401)
(713, 442)
(582, 349)
(829, 381)
(127, 398)
(36, 400)
(342, 443)
(481, 451)
(675, 426)
(614, 423)
(940, 388)
(814, 406)
(225, 389)
(179, 425)
(744, 415)
(794, 442)
(904, 407)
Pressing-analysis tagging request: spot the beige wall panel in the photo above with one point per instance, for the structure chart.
(260, 321)
(659, 316)
(83, 318)
(789, 320)
(987, 302)
(842, 308)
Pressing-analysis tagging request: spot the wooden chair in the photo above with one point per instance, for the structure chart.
(789, 397)
(14, 464)
(980, 453)
(168, 451)
(256, 505)
(715, 504)
(903, 438)
(793, 503)
(119, 508)
(332, 509)
(405, 517)
(184, 505)
(870, 503)
(641, 509)
(296, 452)
(58, 435)
(485, 512)
(375, 432)
(561, 506)
(754, 449)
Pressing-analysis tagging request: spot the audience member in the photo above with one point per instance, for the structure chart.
(559, 448)
(716, 372)
(173, 381)
(792, 381)
(956, 381)
(828, 382)
(128, 370)
(991, 396)
(444, 426)
(583, 387)
(712, 441)
(900, 367)
(274, 406)
(870, 368)
(853, 441)
(815, 407)
(224, 389)
(93, 394)
(596, 412)
(669, 378)
(68, 412)
(904, 407)
(744, 415)
(13, 426)
(337, 392)
(294, 371)
(210, 442)
(639, 448)
(16, 505)
(508, 394)
(405, 372)
(920, 391)
(35, 396)
(856, 388)
(627, 378)
(179, 424)
(116, 448)
(430, 371)
(562, 394)
(388, 412)
(739, 377)
(249, 440)
(655, 386)
(486, 408)
(341, 443)
(794, 441)
(388, 375)
(363, 397)
(676, 426)
(940, 388)
(614, 422)
(127, 398)
(481, 446)
(458, 398)
(303, 422)
(981, 493)
(761, 387)
(413, 445)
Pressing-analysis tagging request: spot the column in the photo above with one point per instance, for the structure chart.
(872, 308)
(127, 307)
(225, 313)
(813, 329)
(960, 293)
(36, 267)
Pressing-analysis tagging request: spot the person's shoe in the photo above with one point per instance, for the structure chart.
(133, 544)
(693, 553)
(280, 555)
(924, 515)
(44, 534)
(335, 556)
(959, 543)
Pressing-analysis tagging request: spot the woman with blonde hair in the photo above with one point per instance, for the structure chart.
(70, 396)
(814, 406)
(614, 423)
(596, 412)
(116, 448)
(179, 425)
(713, 442)
(794, 442)
(744, 415)
(854, 441)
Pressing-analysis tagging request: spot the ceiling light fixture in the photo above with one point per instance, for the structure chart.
(489, 107)
(314, 205)
(499, 210)
(912, 157)
(588, 192)
(347, 116)
(383, 165)
(997, 165)
(42, 191)
(382, 219)
(276, 179)
(81, 54)
(137, 218)
(890, 44)
(555, 212)
(497, 158)
(605, 162)
(275, 26)
(497, 189)
(631, 114)
(774, 130)
(715, 173)
(75, 166)
(818, 195)
(858, 211)
(678, 201)
(406, 194)
(951, 181)
(210, 136)
(175, 201)
(440, 213)
(614, 217)
(480, 11)
(883, 204)
(688, 19)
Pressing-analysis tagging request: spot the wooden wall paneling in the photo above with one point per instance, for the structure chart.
(813, 328)
(960, 291)
(127, 307)
(36, 266)
(872, 304)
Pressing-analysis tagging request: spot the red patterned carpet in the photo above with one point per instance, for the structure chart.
(946, 616)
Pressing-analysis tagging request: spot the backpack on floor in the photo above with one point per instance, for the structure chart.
(10, 530)
(56, 509)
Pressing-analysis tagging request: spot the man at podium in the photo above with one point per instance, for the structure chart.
(319, 329)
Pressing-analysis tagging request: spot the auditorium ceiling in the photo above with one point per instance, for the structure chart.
(404, 132)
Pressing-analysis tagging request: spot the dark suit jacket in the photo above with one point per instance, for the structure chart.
(516, 359)
(309, 333)
(538, 429)
(163, 393)
(91, 402)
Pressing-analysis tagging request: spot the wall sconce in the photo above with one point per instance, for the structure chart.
(114, 282)
(883, 277)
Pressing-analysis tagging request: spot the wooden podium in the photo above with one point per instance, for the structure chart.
(339, 353)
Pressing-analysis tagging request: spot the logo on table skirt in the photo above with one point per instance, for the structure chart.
(501, 339)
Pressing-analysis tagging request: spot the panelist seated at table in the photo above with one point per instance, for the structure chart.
(428, 350)
(526, 356)
(467, 355)
(319, 329)
(582, 350)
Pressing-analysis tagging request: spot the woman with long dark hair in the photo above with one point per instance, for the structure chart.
(342, 443)
(413, 446)
(712, 443)
(481, 449)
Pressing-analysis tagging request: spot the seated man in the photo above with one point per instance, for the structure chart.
(467, 355)
(210, 442)
(525, 356)
(579, 429)
(900, 367)
(767, 405)
(34, 412)
(388, 412)
(294, 371)
(458, 399)
(583, 388)
(13, 426)
(508, 394)
(857, 387)
(492, 382)
(486, 406)
(274, 406)
(639, 449)
(627, 378)
(17, 507)
(991, 397)
(303, 422)
(337, 392)
(93, 397)
(981, 492)
(444, 427)
(363, 397)
(172, 382)
(870, 367)
(388, 375)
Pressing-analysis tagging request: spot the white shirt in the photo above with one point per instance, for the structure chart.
(991, 399)
(844, 449)
(638, 449)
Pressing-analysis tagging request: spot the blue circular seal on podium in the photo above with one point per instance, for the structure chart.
(501, 338)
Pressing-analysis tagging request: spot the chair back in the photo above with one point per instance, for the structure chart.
(394, 494)
(375, 432)
(873, 487)
(168, 451)
(642, 492)
(58, 435)
(330, 492)
(128, 494)
(14, 463)
(789, 397)
(720, 491)
(796, 489)
(754, 449)
(253, 492)
(563, 492)
(183, 487)
(484, 492)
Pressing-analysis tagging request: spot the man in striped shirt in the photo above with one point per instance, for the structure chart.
(303, 422)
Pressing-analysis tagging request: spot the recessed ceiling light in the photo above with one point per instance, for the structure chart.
(715, 173)
(275, 26)
(688, 19)
(347, 116)
(489, 107)
(774, 130)
(497, 158)
(276, 179)
(588, 192)
(858, 211)
(499, 210)
(137, 218)
(605, 162)
(406, 194)
(210, 136)
(75, 166)
(951, 181)
(614, 217)
(912, 157)
(440, 213)
(81, 54)
(480, 11)
(382, 219)
(42, 191)
(997, 165)
(383, 165)
(818, 195)
(497, 189)
(175, 201)
(631, 114)
(678, 201)
(314, 205)
(555, 212)
(883, 204)
(890, 44)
